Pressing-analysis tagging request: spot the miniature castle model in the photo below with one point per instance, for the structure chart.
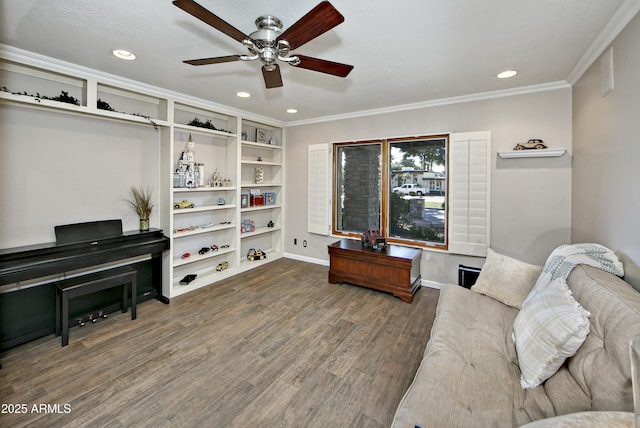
(191, 174)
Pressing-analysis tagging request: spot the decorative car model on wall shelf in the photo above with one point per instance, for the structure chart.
(183, 204)
(533, 144)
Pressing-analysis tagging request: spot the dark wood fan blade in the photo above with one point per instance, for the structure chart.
(214, 60)
(317, 21)
(205, 16)
(272, 79)
(324, 66)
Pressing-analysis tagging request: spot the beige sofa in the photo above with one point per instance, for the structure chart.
(470, 374)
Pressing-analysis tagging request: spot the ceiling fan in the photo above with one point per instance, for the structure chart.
(270, 44)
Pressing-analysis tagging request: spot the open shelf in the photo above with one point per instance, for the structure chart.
(202, 189)
(201, 230)
(203, 131)
(193, 258)
(260, 208)
(205, 278)
(261, 145)
(259, 231)
(203, 208)
(257, 162)
(271, 256)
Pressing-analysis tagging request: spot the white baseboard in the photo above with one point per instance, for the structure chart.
(307, 259)
(423, 282)
(431, 284)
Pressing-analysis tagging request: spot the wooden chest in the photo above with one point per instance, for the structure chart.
(395, 270)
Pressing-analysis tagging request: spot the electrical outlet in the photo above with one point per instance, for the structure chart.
(304, 243)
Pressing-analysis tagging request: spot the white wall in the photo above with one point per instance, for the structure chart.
(59, 168)
(531, 198)
(606, 169)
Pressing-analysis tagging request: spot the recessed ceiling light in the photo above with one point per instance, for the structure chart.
(242, 94)
(292, 110)
(506, 74)
(123, 54)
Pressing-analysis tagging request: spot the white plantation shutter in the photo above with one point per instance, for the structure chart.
(469, 192)
(318, 189)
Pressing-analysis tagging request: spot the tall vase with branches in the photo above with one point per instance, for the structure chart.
(142, 204)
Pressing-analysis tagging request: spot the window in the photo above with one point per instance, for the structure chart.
(397, 186)
(430, 191)
(417, 190)
(357, 193)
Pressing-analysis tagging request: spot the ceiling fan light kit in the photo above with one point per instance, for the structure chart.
(270, 44)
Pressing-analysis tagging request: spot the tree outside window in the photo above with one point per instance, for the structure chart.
(397, 186)
(417, 210)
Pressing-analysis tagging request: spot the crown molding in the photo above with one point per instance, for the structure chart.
(552, 86)
(614, 27)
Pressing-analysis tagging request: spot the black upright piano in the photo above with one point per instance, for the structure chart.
(28, 274)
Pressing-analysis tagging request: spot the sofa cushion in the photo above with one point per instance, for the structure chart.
(598, 376)
(550, 328)
(469, 375)
(506, 279)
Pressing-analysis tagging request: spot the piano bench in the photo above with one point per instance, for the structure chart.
(86, 284)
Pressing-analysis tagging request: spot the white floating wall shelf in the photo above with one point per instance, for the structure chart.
(542, 153)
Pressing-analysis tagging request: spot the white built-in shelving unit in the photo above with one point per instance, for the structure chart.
(209, 222)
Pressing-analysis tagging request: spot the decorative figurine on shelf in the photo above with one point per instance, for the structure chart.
(221, 201)
(244, 135)
(191, 164)
(256, 198)
(247, 226)
(216, 179)
(259, 178)
(272, 141)
(531, 144)
(269, 198)
(188, 173)
(270, 224)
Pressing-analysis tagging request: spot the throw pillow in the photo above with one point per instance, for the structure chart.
(550, 328)
(506, 279)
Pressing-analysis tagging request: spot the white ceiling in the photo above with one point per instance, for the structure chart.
(412, 51)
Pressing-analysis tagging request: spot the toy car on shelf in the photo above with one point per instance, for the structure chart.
(183, 204)
(254, 254)
(222, 266)
(188, 278)
(531, 144)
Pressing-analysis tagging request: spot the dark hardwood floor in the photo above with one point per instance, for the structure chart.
(277, 346)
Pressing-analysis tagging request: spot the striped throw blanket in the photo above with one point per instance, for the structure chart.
(563, 259)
